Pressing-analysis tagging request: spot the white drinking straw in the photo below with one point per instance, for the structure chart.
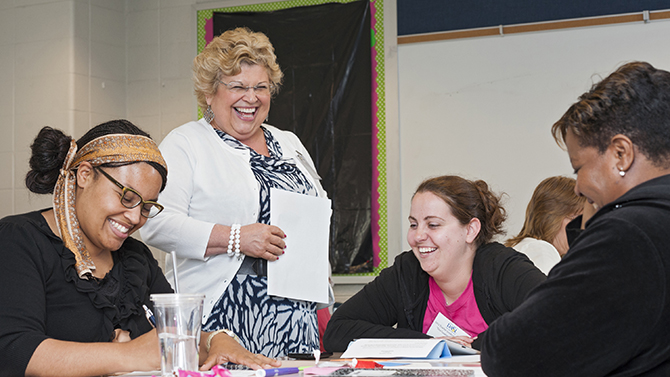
(174, 271)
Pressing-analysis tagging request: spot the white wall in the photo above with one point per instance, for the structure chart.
(54, 57)
(160, 47)
(483, 107)
(72, 64)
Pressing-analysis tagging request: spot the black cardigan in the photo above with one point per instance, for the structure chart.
(501, 279)
(604, 310)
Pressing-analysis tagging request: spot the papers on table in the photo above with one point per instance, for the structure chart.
(397, 348)
(443, 326)
(433, 372)
(302, 272)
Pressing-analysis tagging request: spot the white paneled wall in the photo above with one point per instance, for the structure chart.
(161, 44)
(160, 48)
(77, 63)
(37, 77)
(7, 14)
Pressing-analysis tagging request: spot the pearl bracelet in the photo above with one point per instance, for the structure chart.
(217, 332)
(234, 238)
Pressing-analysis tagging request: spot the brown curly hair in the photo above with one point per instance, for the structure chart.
(467, 200)
(224, 56)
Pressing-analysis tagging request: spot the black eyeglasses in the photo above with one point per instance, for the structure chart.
(131, 198)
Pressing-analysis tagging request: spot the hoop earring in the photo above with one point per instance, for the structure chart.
(208, 114)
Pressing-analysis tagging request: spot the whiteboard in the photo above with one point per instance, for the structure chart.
(483, 107)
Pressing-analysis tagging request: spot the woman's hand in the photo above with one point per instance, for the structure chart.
(225, 349)
(121, 336)
(262, 241)
(57, 358)
(146, 351)
(463, 340)
(256, 240)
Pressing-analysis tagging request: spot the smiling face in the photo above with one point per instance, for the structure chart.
(597, 176)
(439, 241)
(240, 114)
(105, 223)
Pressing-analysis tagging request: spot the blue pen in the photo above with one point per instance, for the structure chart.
(276, 372)
(150, 315)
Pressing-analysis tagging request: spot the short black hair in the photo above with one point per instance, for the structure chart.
(634, 101)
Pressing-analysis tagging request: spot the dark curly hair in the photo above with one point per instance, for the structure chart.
(467, 200)
(50, 148)
(634, 101)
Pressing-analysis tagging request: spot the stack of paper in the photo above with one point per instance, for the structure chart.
(398, 348)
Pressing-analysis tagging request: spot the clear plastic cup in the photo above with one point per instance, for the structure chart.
(178, 317)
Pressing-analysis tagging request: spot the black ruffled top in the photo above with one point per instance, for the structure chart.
(42, 296)
(123, 291)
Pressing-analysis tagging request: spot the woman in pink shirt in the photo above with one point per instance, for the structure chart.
(454, 274)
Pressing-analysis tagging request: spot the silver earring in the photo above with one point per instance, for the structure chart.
(622, 172)
(208, 114)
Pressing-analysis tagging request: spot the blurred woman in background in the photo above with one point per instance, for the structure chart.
(542, 238)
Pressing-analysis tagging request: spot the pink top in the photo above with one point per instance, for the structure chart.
(463, 312)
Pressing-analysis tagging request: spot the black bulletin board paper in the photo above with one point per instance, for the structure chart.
(325, 99)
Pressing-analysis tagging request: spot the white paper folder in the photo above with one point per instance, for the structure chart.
(397, 348)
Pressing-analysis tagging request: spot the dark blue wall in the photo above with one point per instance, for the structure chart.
(425, 16)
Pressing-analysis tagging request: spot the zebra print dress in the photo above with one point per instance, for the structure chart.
(272, 326)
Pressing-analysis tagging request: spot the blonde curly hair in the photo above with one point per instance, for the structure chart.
(224, 56)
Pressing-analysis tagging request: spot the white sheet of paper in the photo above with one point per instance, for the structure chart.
(443, 326)
(302, 272)
(397, 348)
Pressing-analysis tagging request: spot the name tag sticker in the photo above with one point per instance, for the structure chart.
(443, 326)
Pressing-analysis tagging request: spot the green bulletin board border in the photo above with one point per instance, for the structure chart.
(379, 194)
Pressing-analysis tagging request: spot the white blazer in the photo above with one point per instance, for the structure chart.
(209, 183)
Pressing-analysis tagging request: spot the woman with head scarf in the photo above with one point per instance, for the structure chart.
(74, 283)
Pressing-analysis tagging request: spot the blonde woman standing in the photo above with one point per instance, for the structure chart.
(217, 215)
